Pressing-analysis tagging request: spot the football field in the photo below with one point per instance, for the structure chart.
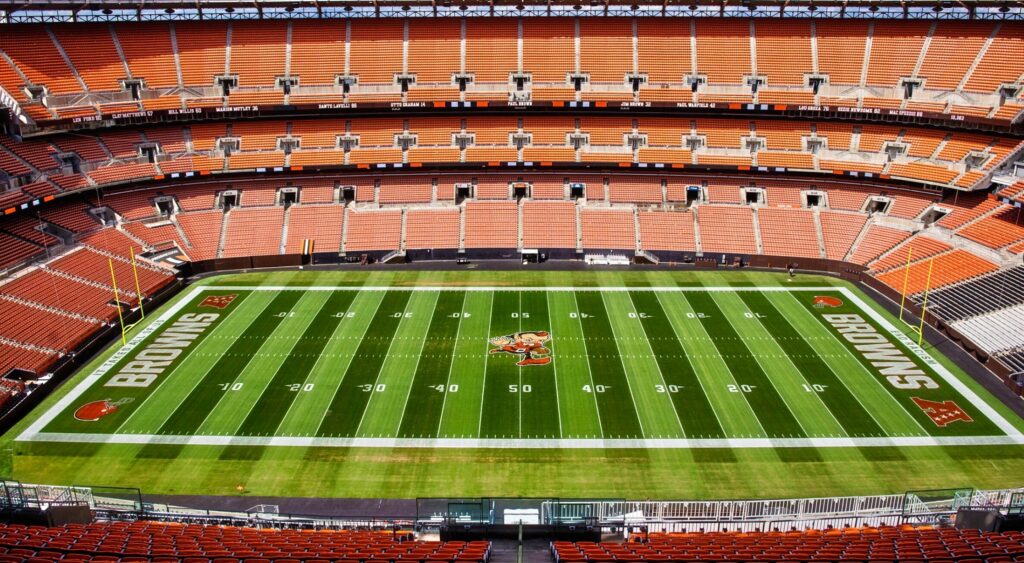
(442, 366)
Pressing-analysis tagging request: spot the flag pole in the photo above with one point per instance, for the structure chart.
(117, 300)
(138, 290)
(924, 305)
(906, 279)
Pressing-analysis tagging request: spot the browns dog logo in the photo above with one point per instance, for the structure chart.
(822, 301)
(530, 345)
(218, 301)
(91, 412)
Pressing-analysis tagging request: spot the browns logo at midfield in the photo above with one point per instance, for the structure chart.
(529, 344)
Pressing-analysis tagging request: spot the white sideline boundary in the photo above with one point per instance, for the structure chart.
(34, 433)
(538, 443)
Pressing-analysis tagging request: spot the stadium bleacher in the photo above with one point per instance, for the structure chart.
(880, 544)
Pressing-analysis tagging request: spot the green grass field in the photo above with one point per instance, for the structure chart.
(642, 385)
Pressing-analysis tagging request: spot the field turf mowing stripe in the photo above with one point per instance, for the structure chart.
(769, 407)
(384, 410)
(691, 403)
(843, 405)
(273, 404)
(734, 411)
(205, 396)
(430, 382)
(308, 409)
(539, 416)
(579, 417)
(460, 416)
(657, 414)
(500, 416)
(618, 411)
(346, 411)
(980, 426)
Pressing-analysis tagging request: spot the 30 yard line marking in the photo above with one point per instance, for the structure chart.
(668, 396)
(412, 374)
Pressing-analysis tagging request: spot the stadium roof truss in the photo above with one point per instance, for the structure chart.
(53, 11)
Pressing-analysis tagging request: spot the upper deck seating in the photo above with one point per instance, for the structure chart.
(727, 51)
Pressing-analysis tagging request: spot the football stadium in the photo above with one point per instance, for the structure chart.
(489, 281)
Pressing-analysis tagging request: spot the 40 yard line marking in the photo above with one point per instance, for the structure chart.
(586, 351)
(451, 366)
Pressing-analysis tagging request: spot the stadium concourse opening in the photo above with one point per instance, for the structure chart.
(352, 280)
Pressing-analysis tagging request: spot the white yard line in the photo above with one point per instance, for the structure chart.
(380, 370)
(451, 366)
(934, 364)
(499, 443)
(629, 384)
(593, 386)
(714, 289)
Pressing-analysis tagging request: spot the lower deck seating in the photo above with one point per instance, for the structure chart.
(604, 229)
(320, 224)
(877, 241)
(667, 231)
(432, 229)
(37, 327)
(728, 229)
(788, 232)
(949, 268)
(50, 290)
(140, 541)
(839, 231)
(879, 544)
(986, 294)
(373, 230)
(254, 232)
(491, 224)
(35, 361)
